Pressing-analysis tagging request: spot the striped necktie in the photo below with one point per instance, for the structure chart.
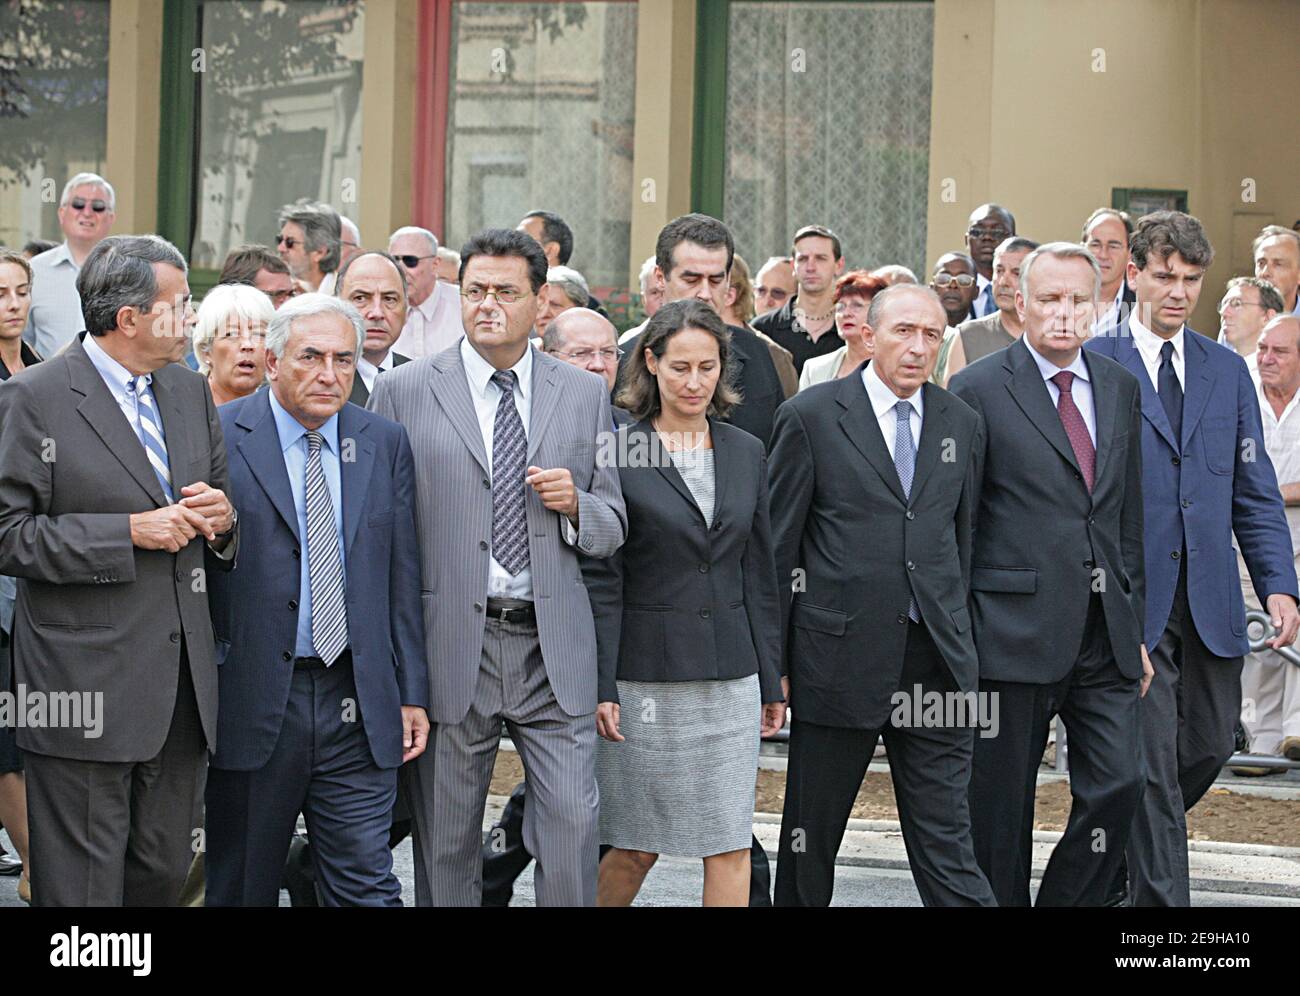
(329, 613)
(151, 433)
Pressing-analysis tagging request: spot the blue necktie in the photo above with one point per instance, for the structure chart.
(986, 301)
(905, 464)
(151, 433)
(509, 457)
(329, 611)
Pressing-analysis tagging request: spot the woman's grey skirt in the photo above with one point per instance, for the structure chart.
(682, 781)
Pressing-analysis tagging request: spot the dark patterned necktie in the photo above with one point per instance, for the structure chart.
(905, 464)
(1170, 391)
(1076, 428)
(509, 453)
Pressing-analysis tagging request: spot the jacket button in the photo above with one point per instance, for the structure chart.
(487, 484)
(482, 544)
(1091, 521)
(911, 566)
(180, 575)
(1088, 564)
(911, 514)
(478, 606)
(1187, 503)
(286, 656)
(902, 619)
(297, 553)
(1175, 555)
(704, 568)
(175, 638)
(1175, 461)
(705, 613)
(293, 605)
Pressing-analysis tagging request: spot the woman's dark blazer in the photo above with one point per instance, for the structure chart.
(681, 601)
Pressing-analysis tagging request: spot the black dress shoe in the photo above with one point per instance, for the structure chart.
(10, 866)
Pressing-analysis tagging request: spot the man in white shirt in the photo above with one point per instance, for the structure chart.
(433, 307)
(1105, 235)
(373, 283)
(1270, 684)
(310, 241)
(1249, 304)
(1277, 260)
(86, 215)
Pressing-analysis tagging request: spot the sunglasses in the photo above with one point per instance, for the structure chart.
(288, 241)
(411, 262)
(97, 205)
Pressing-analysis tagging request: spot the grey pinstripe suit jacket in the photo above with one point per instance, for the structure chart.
(570, 408)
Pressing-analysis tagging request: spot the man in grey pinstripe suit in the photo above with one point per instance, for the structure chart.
(508, 495)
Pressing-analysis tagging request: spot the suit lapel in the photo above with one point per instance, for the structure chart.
(1153, 411)
(662, 462)
(354, 472)
(262, 451)
(1105, 407)
(101, 410)
(723, 469)
(1196, 381)
(451, 389)
(546, 396)
(935, 428)
(1030, 392)
(863, 429)
(179, 451)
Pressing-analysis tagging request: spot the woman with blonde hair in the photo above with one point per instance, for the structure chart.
(230, 340)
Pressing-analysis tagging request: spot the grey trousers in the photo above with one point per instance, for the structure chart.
(448, 783)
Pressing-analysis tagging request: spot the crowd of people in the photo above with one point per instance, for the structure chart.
(406, 496)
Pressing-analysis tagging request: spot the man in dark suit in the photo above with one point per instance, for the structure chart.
(113, 510)
(374, 284)
(329, 489)
(693, 257)
(1057, 584)
(1206, 476)
(872, 492)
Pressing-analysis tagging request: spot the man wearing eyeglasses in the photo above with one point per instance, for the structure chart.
(954, 282)
(1249, 305)
(311, 243)
(989, 225)
(86, 216)
(433, 320)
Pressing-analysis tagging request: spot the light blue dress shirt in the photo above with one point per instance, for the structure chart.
(55, 317)
(293, 443)
(884, 403)
(1080, 390)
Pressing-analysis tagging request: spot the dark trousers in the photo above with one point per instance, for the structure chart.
(930, 767)
(1188, 720)
(505, 857)
(1099, 707)
(321, 767)
(119, 834)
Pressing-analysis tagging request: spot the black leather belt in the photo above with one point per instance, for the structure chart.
(315, 663)
(512, 610)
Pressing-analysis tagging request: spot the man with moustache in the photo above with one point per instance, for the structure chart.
(374, 284)
(1105, 235)
(805, 325)
(514, 496)
(1206, 475)
(873, 483)
(1057, 585)
(989, 225)
(954, 280)
(323, 683)
(113, 510)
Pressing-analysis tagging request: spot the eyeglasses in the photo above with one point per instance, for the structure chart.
(1236, 304)
(97, 205)
(948, 279)
(507, 295)
(288, 241)
(411, 262)
(991, 234)
(585, 355)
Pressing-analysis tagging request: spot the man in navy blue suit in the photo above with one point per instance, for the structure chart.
(320, 634)
(1206, 476)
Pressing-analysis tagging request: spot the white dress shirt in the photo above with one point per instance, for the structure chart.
(487, 396)
(980, 306)
(432, 325)
(327, 284)
(369, 372)
(883, 400)
(1080, 388)
(55, 317)
(1149, 345)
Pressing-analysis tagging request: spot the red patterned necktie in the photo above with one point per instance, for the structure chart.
(1076, 428)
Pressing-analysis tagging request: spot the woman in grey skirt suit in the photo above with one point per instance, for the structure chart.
(686, 620)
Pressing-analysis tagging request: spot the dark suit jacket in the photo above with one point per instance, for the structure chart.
(682, 601)
(1042, 542)
(850, 549)
(360, 396)
(1215, 481)
(95, 614)
(754, 373)
(255, 607)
